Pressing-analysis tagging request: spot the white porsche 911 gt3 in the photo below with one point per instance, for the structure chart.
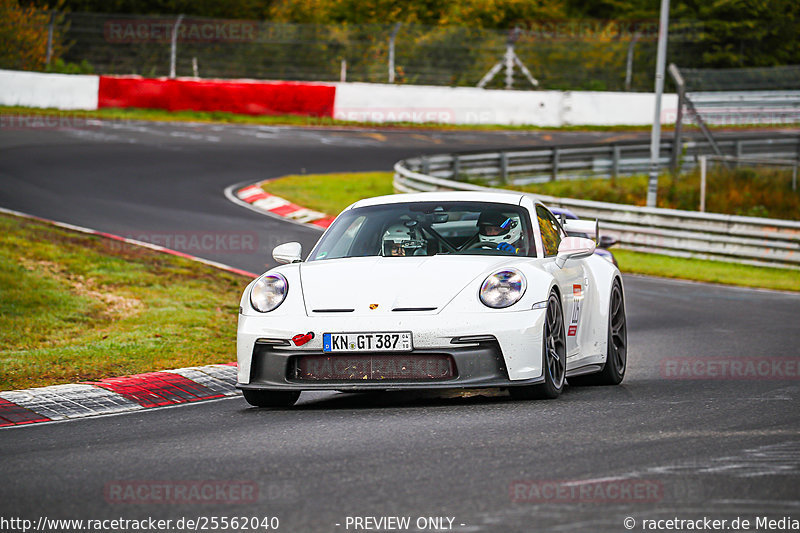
(435, 290)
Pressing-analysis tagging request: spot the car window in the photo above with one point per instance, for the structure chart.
(341, 247)
(428, 228)
(551, 231)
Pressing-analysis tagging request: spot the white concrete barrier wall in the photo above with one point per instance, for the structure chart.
(469, 105)
(612, 108)
(372, 102)
(37, 89)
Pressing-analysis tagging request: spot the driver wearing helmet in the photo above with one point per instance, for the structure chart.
(399, 240)
(500, 230)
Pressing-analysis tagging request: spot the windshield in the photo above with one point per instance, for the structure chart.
(428, 228)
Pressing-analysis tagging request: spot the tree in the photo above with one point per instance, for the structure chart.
(23, 36)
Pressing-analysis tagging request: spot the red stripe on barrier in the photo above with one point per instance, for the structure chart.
(156, 389)
(287, 209)
(252, 189)
(255, 197)
(12, 414)
(243, 97)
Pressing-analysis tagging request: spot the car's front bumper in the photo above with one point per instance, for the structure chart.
(511, 356)
(479, 365)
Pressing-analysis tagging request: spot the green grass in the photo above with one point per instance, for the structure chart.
(331, 193)
(75, 307)
(753, 191)
(708, 271)
(160, 115)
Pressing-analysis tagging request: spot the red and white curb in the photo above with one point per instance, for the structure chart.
(122, 394)
(275, 205)
(117, 395)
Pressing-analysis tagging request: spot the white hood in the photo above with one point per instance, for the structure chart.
(390, 282)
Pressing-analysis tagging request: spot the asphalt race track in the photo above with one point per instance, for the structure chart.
(657, 447)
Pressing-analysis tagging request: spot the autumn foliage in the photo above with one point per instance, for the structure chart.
(23, 36)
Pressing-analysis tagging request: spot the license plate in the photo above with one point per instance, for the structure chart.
(367, 342)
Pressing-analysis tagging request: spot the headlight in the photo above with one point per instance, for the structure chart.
(503, 289)
(268, 292)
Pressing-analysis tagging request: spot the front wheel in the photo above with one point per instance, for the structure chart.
(617, 353)
(554, 357)
(271, 398)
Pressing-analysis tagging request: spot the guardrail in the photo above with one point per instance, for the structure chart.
(746, 240)
(520, 167)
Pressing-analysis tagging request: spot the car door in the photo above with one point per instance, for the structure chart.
(571, 278)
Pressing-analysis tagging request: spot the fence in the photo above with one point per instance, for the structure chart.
(561, 55)
(746, 240)
(735, 96)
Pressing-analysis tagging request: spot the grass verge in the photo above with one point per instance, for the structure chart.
(748, 191)
(331, 193)
(77, 307)
(664, 266)
(161, 115)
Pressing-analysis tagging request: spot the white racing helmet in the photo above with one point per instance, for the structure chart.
(495, 227)
(399, 240)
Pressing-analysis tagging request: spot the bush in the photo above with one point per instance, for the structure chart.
(60, 67)
(23, 34)
(751, 191)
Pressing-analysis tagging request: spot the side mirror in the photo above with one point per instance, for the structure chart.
(287, 253)
(606, 241)
(574, 248)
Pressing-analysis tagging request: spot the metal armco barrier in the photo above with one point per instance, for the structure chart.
(520, 167)
(746, 240)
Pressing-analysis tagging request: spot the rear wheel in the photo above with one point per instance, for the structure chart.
(554, 357)
(271, 398)
(617, 353)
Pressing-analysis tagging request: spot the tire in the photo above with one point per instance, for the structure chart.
(617, 353)
(554, 357)
(270, 398)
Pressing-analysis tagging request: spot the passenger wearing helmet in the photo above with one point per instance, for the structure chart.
(500, 230)
(400, 240)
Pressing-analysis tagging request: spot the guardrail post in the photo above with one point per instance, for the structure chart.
(797, 161)
(503, 167)
(554, 176)
(615, 162)
(392, 39)
(703, 160)
(174, 47)
(456, 168)
(426, 166)
(50, 38)
(738, 153)
(677, 145)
